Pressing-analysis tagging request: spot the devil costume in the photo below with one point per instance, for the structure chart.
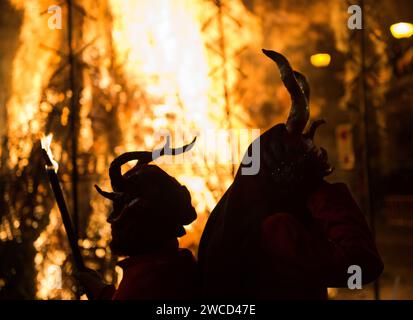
(150, 209)
(285, 233)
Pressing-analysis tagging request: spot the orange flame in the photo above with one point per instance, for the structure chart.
(45, 143)
(160, 47)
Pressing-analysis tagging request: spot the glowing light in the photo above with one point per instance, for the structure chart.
(100, 252)
(320, 60)
(46, 142)
(65, 116)
(119, 273)
(87, 244)
(332, 292)
(3, 235)
(402, 30)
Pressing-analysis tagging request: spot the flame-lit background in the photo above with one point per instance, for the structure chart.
(140, 67)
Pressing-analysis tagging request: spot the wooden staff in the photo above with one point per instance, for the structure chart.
(61, 203)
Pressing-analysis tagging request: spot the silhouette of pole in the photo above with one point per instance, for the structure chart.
(368, 196)
(73, 120)
(73, 125)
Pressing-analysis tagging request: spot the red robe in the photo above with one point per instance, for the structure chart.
(168, 275)
(301, 261)
(248, 253)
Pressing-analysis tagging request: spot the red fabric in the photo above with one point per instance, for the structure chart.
(302, 260)
(165, 275)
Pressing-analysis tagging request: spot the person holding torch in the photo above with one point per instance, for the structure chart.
(150, 209)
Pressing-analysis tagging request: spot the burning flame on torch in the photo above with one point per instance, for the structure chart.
(45, 143)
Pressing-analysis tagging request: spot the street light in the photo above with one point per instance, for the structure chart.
(402, 30)
(320, 60)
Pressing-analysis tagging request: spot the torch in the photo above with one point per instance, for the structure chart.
(51, 169)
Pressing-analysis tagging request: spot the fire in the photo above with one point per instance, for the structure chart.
(151, 63)
(29, 76)
(46, 141)
(49, 260)
(166, 54)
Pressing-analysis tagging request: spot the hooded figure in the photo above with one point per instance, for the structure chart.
(285, 233)
(150, 209)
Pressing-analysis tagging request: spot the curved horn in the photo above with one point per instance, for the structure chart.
(143, 157)
(314, 126)
(303, 83)
(299, 113)
(109, 195)
(167, 150)
(116, 178)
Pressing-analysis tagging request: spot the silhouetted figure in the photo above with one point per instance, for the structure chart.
(150, 209)
(286, 233)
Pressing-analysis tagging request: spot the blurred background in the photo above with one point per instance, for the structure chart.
(116, 73)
